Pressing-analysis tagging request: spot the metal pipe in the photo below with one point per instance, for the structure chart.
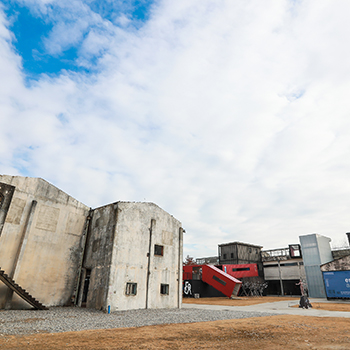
(153, 222)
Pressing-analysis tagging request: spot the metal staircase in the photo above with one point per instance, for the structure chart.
(20, 291)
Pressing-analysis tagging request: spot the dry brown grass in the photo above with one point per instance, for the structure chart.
(275, 332)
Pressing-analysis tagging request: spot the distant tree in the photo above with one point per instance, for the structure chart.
(189, 260)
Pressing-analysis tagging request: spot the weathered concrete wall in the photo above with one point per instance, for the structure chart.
(287, 270)
(99, 254)
(342, 264)
(41, 241)
(141, 226)
(340, 253)
(6, 193)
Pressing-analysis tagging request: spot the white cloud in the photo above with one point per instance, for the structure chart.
(232, 116)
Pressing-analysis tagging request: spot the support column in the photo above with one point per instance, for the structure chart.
(20, 250)
(280, 276)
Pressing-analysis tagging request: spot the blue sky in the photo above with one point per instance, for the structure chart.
(233, 116)
(32, 25)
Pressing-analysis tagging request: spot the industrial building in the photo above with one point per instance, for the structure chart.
(241, 253)
(283, 270)
(124, 255)
(336, 274)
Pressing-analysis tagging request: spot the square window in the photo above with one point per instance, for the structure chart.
(158, 250)
(131, 289)
(164, 289)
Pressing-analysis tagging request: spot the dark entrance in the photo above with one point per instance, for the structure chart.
(86, 288)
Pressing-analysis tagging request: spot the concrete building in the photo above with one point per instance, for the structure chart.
(122, 256)
(133, 258)
(40, 240)
(316, 251)
(283, 269)
(241, 253)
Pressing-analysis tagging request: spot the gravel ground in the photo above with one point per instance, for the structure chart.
(67, 319)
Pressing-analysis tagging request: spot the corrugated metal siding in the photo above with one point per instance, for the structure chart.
(316, 251)
(337, 284)
(315, 282)
(310, 250)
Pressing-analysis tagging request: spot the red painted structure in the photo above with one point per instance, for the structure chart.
(220, 280)
(236, 271)
(240, 270)
(215, 277)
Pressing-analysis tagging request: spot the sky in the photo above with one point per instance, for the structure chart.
(232, 116)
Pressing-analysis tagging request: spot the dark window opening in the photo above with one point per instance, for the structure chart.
(158, 250)
(131, 288)
(241, 269)
(289, 264)
(86, 287)
(164, 289)
(224, 256)
(231, 255)
(219, 280)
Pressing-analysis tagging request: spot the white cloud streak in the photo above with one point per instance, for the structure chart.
(232, 116)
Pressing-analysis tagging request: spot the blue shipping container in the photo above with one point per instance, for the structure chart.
(337, 284)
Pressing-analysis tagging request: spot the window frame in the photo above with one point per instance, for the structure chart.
(164, 289)
(131, 289)
(158, 247)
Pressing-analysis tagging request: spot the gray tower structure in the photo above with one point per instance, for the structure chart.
(316, 251)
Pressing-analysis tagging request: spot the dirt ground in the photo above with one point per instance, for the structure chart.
(274, 332)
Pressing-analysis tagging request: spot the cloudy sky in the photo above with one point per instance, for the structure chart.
(232, 115)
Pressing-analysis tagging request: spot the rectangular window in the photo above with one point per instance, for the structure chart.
(241, 269)
(131, 288)
(289, 264)
(164, 289)
(158, 250)
(219, 280)
(224, 256)
(231, 255)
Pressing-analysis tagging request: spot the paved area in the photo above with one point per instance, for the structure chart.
(280, 308)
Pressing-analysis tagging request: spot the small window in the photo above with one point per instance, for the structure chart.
(224, 256)
(164, 289)
(131, 288)
(158, 250)
(231, 255)
(241, 269)
(219, 280)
